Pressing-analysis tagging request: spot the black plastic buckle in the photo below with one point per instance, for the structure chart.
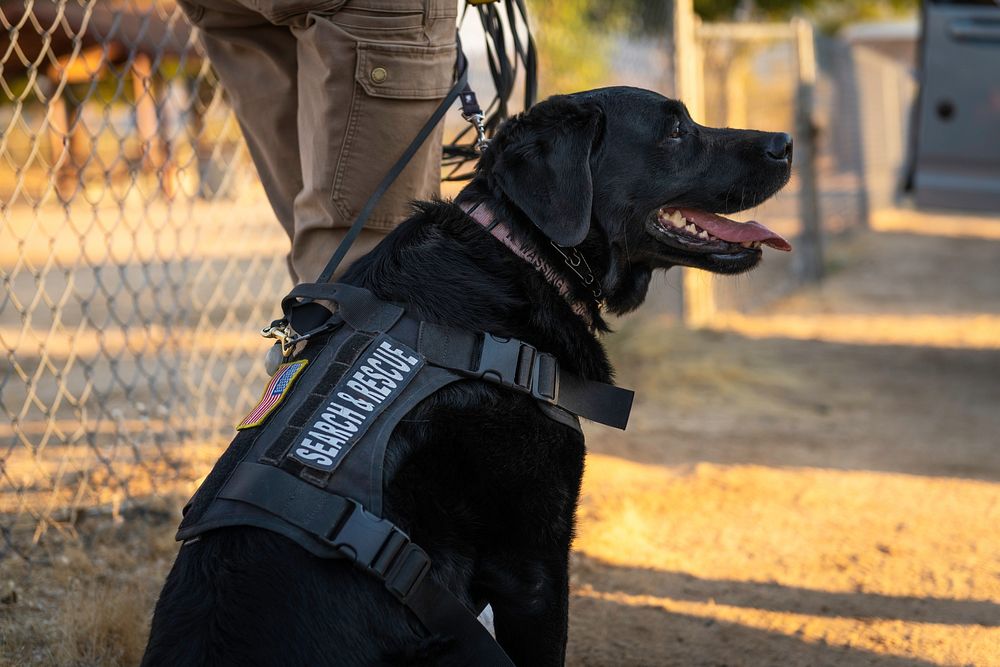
(507, 361)
(379, 546)
(367, 539)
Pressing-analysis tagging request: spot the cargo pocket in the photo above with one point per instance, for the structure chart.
(396, 89)
(440, 22)
(397, 71)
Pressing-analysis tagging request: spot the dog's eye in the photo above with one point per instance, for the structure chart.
(675, 133)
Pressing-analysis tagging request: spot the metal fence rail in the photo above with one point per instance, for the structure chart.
(135, 248)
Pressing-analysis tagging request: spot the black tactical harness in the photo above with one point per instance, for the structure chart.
(311, 470)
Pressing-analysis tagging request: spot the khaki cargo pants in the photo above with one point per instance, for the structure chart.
(329, 94)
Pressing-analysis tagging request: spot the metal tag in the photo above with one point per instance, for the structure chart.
(273, 359)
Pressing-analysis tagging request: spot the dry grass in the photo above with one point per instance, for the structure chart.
(90, 605)
(103, 627)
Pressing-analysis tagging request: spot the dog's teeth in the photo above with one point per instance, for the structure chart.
(703, 234)
(691, 228)
(677, 219)
(756, 244)
(746, 244)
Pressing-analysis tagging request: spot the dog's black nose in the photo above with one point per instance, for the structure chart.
(780, 146)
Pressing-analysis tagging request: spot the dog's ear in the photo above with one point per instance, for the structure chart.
(545, 171)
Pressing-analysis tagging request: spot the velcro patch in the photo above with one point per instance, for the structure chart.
(274, 393)
(376, 379)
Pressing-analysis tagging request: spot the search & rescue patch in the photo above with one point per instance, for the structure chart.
(375, 380)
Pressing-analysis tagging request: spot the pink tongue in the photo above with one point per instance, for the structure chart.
(735, 232)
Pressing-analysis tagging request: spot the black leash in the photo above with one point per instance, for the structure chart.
(505, 68)
(470, 111)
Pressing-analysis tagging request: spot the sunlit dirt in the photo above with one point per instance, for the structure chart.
(756, 565)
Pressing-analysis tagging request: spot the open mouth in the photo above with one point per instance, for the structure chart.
(703, 232)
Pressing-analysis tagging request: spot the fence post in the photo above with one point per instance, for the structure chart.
(697, 292)
(808, 264)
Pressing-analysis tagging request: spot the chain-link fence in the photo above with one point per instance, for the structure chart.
(861, 108)
(135, 251)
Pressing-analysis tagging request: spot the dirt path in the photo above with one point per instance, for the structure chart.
(816, 484)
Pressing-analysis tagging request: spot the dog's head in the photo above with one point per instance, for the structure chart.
(626, 175)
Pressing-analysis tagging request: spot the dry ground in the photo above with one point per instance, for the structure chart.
(811, 484)
(815, 483)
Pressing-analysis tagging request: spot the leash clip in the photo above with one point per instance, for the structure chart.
(281, 332)
(477, 121)
(473, 114)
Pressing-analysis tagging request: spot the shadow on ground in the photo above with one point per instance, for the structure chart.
(670, 639)
(772, 596)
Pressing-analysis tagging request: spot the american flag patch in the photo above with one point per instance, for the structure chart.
(275, 391)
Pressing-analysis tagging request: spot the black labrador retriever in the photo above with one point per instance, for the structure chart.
(477, 475)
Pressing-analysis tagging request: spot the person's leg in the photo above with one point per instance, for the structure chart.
(257, 63)
(370, 73)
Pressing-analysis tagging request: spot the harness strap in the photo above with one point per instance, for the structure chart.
(374, 543)
(509, 362)
(516, 365)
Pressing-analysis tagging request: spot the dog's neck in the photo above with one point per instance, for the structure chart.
(442, 265)
(527, 251)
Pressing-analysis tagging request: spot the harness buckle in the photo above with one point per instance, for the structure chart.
(508, 361)
(515, 364)
(408, 571)
(379, 546)
(369, 540)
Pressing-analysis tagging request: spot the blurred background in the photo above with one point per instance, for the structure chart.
(811, 473)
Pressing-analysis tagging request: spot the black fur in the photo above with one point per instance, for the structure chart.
(477, 475)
